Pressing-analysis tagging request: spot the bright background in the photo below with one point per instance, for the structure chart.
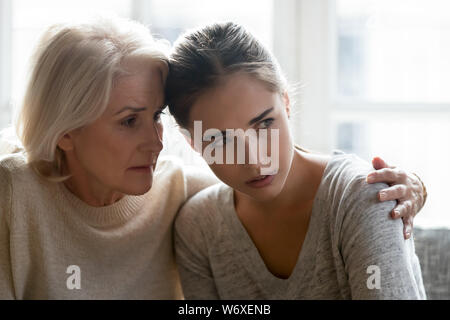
(374, 74)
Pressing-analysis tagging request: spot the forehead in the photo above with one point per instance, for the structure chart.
(142, 86)
(234, 103)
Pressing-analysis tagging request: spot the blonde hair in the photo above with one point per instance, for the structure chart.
(73, 73)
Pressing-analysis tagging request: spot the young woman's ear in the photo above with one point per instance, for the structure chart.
(287, 103)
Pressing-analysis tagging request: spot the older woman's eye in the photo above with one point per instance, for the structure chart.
(129, 122)
(266, 123)
(158, 115)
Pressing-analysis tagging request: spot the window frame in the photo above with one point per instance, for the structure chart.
(320, 109)
(349, 104)
(315, 39)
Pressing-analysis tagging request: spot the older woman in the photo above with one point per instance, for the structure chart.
(87, 210)
(77, 216)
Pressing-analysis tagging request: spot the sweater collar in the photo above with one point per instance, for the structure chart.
(108, 216)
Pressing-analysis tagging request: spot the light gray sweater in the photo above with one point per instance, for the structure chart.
(55, 246)
(352, 250)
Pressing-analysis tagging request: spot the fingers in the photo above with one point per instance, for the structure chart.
(397, 192)
(403, 209)
(379, 163)
(407, 227)
(387, 175)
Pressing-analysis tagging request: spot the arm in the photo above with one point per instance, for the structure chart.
(192, 257)
(406, 188)
(372, 243)
(6, 282)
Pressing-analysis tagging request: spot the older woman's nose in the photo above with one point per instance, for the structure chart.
(153, 137)
(157, 136)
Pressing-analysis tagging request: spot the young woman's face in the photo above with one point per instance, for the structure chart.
(243, 102)
(119, 150)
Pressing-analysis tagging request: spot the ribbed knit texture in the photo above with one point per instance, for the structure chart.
(124, 251)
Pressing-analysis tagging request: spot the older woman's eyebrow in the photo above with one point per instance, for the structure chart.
(260, 117)
(132, 109)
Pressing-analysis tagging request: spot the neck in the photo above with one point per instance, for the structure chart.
(89, 189)
(298, 191)
(92, 195)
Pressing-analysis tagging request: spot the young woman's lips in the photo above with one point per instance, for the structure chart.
(261, 182)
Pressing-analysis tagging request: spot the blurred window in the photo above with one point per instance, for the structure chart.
(391, 92)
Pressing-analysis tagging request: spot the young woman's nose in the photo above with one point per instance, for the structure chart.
(252, 158)
(257, 156)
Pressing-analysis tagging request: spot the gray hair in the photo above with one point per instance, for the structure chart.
(73, 73)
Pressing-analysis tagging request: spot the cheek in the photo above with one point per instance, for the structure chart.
(106, 152)
(284, 145)
(282, 137)
(226, 173)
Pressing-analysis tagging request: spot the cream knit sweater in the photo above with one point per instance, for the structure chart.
(55, 246)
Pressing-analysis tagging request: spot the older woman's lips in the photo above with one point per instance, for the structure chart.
(144, 169)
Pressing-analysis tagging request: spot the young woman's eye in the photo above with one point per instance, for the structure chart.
(220, 141)
(129, 122)
(266, 123)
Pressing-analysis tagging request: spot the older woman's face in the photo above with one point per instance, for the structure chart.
(119, 150)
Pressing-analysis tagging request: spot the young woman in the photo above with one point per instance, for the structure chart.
(313, 228)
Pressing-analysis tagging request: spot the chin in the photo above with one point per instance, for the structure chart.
(263, 194)
(138, 189)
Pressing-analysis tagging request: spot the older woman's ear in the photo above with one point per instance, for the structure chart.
(287, 103)
(65, 143)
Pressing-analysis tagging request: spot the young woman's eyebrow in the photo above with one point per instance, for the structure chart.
(260, 117)
(132, 109)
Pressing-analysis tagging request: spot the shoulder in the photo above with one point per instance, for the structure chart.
(347, 196)
(12, 161)
(354, 203)
(14, 167)
(169, 177)
(343, 169)
(195, 177)
(167, 165)
(204, 210)
(345, 180)
(24, 180)
(16, 177)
